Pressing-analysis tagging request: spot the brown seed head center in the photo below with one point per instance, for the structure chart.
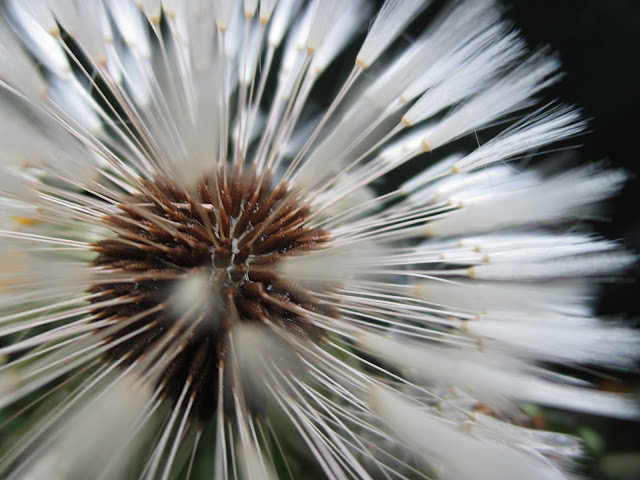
(233, 232)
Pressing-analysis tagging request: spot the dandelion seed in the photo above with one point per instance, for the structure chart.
(200, 276)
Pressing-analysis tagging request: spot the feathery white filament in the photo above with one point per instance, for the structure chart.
(537, 131)
(489, 377)
(223, 12)
(464, 74)
(250, 7)
(568, 267)
(151, 8)
(461, 455)
(485, 297)
(266, 10)
(78, 451)
(562, 339)
(511, 93)
(554, 200)
(41, 13)
(16, 68)
(392, 18)
(280, 21)
(325, 14)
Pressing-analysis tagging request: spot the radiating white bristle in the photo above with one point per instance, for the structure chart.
(67, 95)
(223, 12)
(83, 21)
(598, 343)
(34, 28)
(52, 150)
(568, 267)
(202, 51)
(325, 14)
(538, 130)
(449, 189)
(514, 247)
(459, 454)
(508, 94)
(77, 450)
(131, 25)
(266, 10)
(233, 33)
(457, 34)
(40, 12)
(253, 465)
(260, 353)
(483, 297)
(9, 381)
(429, 174)
(490, 376)
(334, 266)
(151, 8)
(44, 270)
(551, 201)
(280, 21)
(340, 32)
(453, 29)
(465, 74)
(195, 295)
(392, 18)
(16, 68)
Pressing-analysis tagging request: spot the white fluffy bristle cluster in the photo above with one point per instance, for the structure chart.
(203, 273)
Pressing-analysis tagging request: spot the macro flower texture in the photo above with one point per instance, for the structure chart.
(208, 271)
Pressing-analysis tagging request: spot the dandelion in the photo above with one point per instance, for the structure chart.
(205, 275)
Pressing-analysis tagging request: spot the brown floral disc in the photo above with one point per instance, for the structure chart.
(233, 232)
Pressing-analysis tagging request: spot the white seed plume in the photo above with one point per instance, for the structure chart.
(464, 455)
(86, 443)
(490, 376)
(392, 18)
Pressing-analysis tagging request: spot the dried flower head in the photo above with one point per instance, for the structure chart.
(202, 274)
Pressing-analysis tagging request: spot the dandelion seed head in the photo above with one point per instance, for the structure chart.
(209, 265)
